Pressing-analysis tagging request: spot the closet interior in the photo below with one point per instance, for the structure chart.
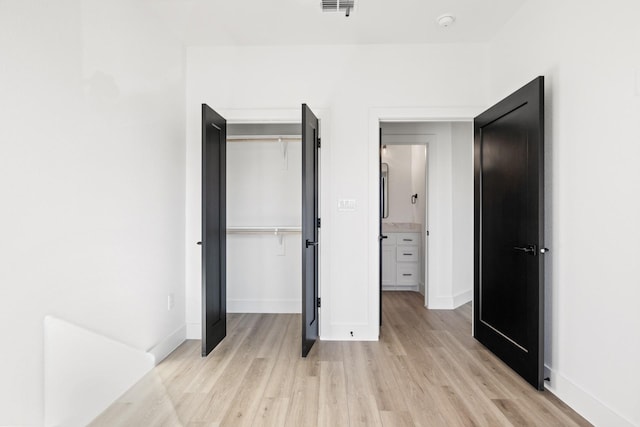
(264, 169)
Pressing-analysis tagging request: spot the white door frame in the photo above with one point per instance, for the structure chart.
(410, 114)
(265, 115)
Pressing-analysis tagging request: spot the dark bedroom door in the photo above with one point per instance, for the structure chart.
(509, 230)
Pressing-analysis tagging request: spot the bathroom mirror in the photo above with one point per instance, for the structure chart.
(384, 189)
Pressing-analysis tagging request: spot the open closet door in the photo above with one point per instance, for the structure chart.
(214, 229)
(509, 206)
(310, 222)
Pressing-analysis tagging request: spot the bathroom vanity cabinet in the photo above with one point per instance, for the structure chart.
(401, 261)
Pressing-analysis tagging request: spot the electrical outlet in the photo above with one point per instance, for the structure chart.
(170, 302)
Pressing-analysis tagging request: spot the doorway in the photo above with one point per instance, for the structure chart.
(428, 220)
(255, 184)
(263, 217)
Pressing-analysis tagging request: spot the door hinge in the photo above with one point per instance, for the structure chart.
(319, 302)
(318, 222)
(318, 142)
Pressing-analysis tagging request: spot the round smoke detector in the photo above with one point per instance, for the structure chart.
(446, 20)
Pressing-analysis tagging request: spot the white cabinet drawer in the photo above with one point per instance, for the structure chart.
(407, 274)
(408, 238)
(407, 253)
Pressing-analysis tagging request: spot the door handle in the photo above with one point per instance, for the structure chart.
(310, 243)
(383, 237)
(531, 249)
(199, 243)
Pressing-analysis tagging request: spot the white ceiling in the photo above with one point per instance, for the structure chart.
(290, 22)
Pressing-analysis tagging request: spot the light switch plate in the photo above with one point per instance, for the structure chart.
(347, 205)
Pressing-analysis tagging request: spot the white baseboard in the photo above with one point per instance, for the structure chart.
(450, 302)
(168, 344)
(581, 401)
(347, 338)
(194, 331)
(264, 306)
(344, 333)
(412, 288)
(462, 298)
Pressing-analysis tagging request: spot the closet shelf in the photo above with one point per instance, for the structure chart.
(264, 138)
(263, 230)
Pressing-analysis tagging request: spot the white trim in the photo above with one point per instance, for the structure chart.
(168, 344)
(395, 114)
(266, 115)
(583, 402)
(345, 337)
(264, 305)
(410, 288)
(462, 298)
(277, 115)
(194, 331)
(450, 303)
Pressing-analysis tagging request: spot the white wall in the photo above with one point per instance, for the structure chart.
(264, 271)
(462, 211)
(591, 68)
(419, 182)
(419, 209)
(92, 183)
(347, 82)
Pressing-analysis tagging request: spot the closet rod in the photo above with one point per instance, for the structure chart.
(263, 138)
(263, 230)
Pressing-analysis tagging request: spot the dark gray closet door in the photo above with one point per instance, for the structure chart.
(214, 229)
(310, 220)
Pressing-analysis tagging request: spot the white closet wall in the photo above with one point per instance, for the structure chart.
(263, 190)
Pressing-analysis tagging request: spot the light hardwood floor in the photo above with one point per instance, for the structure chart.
(426, 370)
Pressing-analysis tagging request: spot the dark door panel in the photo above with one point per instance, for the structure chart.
(509, 224)
(214, 226)
(310, 236)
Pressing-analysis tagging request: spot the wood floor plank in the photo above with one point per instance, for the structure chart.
(396, 419)
(272, 412)
(249, 395)
(303, 407)
(363, 410)
(426, 370)
(333, 407)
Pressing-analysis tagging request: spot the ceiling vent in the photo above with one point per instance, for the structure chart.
(338, 6)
